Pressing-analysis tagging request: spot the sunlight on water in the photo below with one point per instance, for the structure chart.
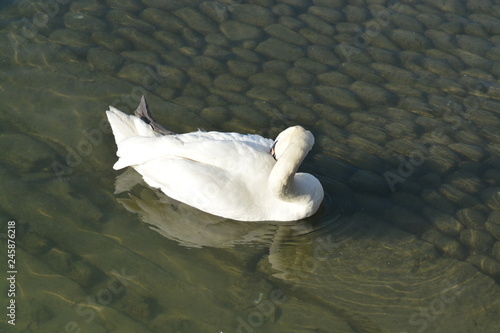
(401, 96)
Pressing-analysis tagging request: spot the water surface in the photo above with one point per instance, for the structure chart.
(402, 98)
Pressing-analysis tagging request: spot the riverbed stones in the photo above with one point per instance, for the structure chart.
(315, 37)
(471, 218)
(215, 10)
(474, 44)
(337, 96)
(209, 64)
(299, 114)
(472, 152)
(163, 19)
(104, 60)
(367, 131)
(445, 243)
(241, 69)
(144, 57)
(491, 197)
(278, 67)
(334, 116)
(196, 21)
(90, 7)
(129, 5)
(323, 55)
(492, 224)
(83, 22)
(237, 31)
(496, 251)
(372, 94)
(407, 22)
(169, 39)
(127, 19)
(23, 153)
(111, 41)
(140, 39)
(278, 49)
(250, 116)
(230, 82)
(253, 14)
(285, 34)
(486, 264)
(479, 241)
(317, 24)
(266, 94)
(71, 38)
(268, 80)
(215, 114)
(410, 40)
(329, 15)
(298, 77)
(291, 23)
(138, 74)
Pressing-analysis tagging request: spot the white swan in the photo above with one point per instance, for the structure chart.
(241, 177)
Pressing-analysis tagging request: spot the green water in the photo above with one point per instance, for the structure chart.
(402, 98)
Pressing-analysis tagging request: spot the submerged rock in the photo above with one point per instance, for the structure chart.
(279, 49)
(479, 241)
(111, 41)
(83, 22)
(486, 264)
(253, 15)
(196, 21)
(241, 69)
(126, 19)
(337, 96)
(90, 7)
(285, 34)
(237, 31)
(372, 94)
(445, 243)
(71, 38)
(163, 19)
(105, 61)
(129, 5)
(23, 153)
(471, 218)
(230, 82)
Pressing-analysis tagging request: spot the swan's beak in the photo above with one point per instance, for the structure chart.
(273, 152)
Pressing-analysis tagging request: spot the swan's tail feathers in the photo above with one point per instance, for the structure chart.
(125, 126)
(145, 115)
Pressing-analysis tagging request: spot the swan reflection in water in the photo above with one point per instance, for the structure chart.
(193, 228)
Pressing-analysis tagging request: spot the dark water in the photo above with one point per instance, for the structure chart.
(402, 98)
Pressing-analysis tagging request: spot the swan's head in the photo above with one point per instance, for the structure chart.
(295, 136)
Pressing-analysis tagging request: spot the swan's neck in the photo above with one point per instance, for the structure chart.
(281, 180)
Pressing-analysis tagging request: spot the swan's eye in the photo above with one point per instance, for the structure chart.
(273, 151)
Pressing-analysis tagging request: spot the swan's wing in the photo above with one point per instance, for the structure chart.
(200, 136)
(212, 148)
(206, 187)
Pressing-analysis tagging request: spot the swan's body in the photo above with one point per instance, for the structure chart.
(242, 177)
